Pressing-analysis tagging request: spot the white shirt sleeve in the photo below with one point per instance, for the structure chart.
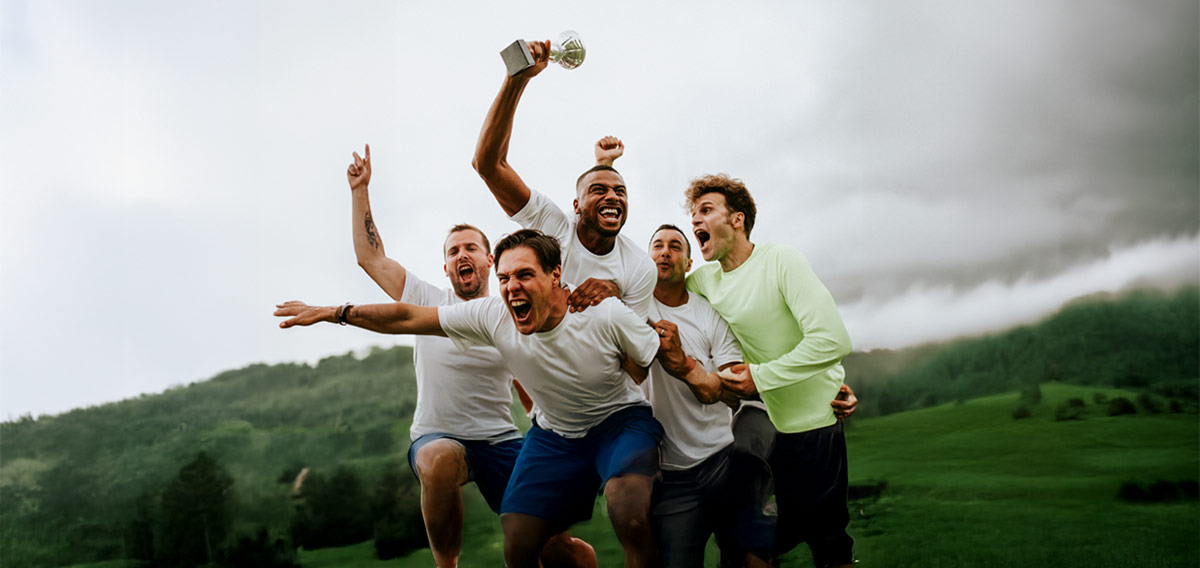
(634, 336)
(420, 292)
(544, 215)
(473, 323)
(641, 290)
(724, 345)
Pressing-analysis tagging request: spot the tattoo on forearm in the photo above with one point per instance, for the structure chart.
(372, 238)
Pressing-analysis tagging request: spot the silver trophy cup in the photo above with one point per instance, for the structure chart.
(567, 51)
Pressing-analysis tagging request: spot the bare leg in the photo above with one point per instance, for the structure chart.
(566, 551)
(442, 469)
(629, 508)
(524, 538)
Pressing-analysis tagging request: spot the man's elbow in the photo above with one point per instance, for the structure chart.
(844, 346)
(484, 166)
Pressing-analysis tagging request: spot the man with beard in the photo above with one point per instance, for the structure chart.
(794, 340)
(596, 258)
(594, 428)
(462, 427)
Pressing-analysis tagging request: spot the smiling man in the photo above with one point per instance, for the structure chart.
(462, 429)
(594, 428)
(691, 501)
(794, 340)
(597, 259)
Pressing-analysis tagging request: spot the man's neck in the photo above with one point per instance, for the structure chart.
(595, 242)
(558, 309)
(738, 255)
(671, 294)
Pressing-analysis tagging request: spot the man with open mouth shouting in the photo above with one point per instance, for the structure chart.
(462, 428)
(594, 428)
(793, 340)
(597, 259)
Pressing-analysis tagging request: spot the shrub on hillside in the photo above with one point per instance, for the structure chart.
(1121, 405)
(1075, 402)
(1161, 491)
(1100, 398)
(259, 551)
(1021, 412)
(1146, 402)
(1176, 407)
(1066, 411)
(1133, 492)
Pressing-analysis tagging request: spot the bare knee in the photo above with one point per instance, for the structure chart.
(442, 463)
(524, 538)
(628, 498)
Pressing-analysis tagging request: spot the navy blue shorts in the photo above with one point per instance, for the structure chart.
(556, 479)
(489, 464)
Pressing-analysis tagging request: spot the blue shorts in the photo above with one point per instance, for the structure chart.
(489, 464)
(556, 479)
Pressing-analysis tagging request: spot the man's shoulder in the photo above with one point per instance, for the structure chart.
(778, 252)
(635, 254)
(699, 279)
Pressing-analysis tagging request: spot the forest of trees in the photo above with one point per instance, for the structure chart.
(1145, 340)
(205, 474)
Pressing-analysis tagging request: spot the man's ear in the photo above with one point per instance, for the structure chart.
(556, 275)
(575, 205)
(689, 267)
(738, 221)
(445, 271)
(491, 260)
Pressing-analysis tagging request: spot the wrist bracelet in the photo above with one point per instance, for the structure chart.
(342, 312)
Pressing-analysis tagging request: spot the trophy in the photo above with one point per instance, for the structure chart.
(568, 51)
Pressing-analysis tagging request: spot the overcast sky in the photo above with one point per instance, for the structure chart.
(171, 170)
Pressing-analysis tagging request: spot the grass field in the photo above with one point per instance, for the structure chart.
(968, 486)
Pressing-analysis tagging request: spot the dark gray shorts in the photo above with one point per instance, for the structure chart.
(688, 507)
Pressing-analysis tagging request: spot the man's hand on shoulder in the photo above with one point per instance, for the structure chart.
(608, 149)
(592, 292)
(359, 172)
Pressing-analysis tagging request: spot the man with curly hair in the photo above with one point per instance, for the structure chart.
(793, 341)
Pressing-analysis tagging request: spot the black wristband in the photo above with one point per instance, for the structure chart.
(342, 312)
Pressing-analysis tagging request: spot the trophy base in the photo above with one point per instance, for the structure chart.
(517, 57)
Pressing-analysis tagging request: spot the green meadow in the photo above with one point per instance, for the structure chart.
(967, 485)
(1071, 442)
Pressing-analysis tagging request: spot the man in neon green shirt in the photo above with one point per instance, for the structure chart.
(793, 340)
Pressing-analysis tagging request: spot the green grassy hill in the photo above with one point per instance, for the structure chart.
(965, 482)
(967, 485)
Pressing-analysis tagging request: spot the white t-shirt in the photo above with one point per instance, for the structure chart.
(627, 263)
(693, 431)
(461, 391)
(573, 372)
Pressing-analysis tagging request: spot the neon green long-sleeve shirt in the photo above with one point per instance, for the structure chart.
(789, 329)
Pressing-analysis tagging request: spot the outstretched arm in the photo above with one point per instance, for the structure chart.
(368, 245)
(491, 151)
(397, 318)
(608, 149)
